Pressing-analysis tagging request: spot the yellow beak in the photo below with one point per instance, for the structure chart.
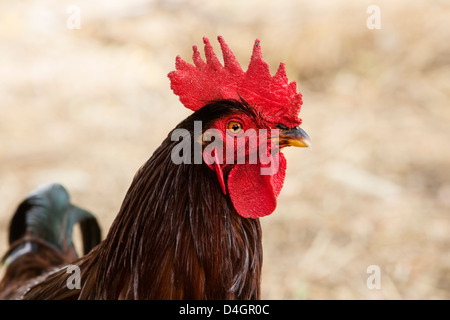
(295, 137)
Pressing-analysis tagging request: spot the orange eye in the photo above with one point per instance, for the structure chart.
(234, 127)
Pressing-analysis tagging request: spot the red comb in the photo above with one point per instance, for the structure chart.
(274, 97)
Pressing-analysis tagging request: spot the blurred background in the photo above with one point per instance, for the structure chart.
(87, 107)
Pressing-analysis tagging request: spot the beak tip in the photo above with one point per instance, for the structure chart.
(296, 137)
(308, 144)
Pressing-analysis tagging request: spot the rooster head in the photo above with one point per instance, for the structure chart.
(255, 115)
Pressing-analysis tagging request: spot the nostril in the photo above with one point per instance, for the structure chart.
(281, 127)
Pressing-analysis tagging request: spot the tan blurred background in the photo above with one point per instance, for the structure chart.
(86, 107)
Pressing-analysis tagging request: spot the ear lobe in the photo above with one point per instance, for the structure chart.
(214, 164)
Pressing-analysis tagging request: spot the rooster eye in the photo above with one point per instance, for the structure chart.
(234, 127)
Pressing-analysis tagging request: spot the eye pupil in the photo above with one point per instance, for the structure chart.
(234, 127)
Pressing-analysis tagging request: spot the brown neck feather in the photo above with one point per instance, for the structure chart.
(178, 237)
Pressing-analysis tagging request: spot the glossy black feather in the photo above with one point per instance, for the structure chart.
(41, 236)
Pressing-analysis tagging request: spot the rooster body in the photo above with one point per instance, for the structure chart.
(184, 231)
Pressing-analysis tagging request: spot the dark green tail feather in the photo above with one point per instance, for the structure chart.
(47, 214)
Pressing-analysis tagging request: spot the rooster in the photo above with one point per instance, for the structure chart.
(188, 227)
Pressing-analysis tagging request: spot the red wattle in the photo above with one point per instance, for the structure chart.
(255, 195)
